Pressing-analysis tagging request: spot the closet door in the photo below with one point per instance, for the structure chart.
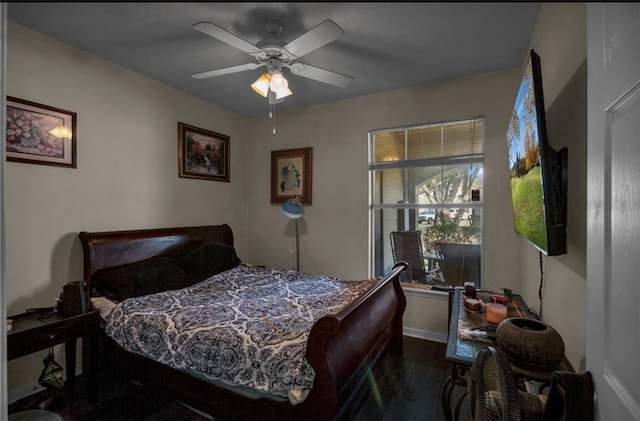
(613, 215)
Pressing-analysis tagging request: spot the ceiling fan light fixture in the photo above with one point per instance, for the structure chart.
(283, 92)
(279, 84)
(261, 86)
(277, 79)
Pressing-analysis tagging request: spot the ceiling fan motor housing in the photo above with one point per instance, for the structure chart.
(273, 28)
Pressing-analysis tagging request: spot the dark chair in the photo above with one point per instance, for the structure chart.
(570, 397)
(459, 263)
(407, 246)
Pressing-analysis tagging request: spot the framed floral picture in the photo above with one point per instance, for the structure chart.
(40, 134)
(202, 153)
(291, 175)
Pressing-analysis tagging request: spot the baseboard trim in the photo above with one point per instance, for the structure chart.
(24, 391)
(424, 334)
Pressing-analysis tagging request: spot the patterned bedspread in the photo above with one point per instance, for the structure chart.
(248, 325)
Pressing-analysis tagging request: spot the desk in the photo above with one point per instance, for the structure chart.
(29, 334)
(461, 352)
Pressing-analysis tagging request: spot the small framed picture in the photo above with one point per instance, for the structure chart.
(202, 153)
(40, 134)
(291, 175)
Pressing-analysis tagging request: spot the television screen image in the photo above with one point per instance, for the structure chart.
(537, 172)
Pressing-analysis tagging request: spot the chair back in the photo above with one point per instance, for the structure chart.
(459, 262)
(407, 246)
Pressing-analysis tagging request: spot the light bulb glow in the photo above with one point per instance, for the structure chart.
(279, 84)
(277, 81)
(62, 131)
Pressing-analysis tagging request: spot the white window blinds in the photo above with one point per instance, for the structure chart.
(440, 140)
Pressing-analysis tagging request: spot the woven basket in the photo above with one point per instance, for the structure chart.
(530, 344)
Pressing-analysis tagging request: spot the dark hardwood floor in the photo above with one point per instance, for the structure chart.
(406, 387)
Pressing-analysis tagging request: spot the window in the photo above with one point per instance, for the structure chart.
(426, 202)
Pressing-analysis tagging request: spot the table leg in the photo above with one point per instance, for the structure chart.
(456, 415)
(457, 378)
(446, 398)
(93, 368)
(70, 358)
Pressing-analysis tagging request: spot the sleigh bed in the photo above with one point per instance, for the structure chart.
(341, 347)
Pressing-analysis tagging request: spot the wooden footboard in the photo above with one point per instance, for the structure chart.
(344, 347)
(341, 348)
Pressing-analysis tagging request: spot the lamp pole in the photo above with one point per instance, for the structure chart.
(297, 252)
(292, 208)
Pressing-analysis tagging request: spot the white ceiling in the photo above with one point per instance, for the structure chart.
(385, 46)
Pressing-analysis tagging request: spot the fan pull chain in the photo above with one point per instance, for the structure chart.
(272, 116)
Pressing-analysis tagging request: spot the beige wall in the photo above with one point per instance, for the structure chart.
(559, 38)
(126, 178)
(335, 228)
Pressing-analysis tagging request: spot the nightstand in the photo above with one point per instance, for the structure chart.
(29, 333)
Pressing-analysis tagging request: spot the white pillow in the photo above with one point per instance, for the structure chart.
(103, 304)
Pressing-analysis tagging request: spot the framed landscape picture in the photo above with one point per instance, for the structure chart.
(291, 175)
(202, 153)
(40, 134)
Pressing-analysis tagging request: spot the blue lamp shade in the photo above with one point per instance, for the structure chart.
(292, 208)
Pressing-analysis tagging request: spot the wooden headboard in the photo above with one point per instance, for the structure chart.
(114, 248)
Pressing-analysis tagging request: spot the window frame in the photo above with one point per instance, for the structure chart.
(442, 161)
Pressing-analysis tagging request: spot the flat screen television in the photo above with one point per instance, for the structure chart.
(538, 172)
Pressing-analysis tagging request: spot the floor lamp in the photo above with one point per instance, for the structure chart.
(292, 208)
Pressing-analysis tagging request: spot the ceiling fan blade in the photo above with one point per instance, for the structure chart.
(227, 37)
(226, 70)
(321, 75)
(314, 38)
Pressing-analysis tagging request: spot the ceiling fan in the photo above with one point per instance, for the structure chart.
(273, 54)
